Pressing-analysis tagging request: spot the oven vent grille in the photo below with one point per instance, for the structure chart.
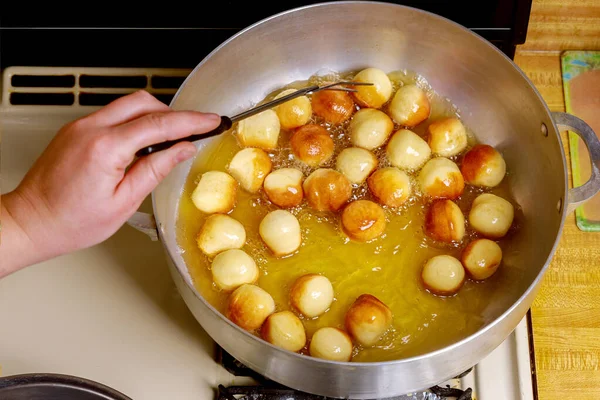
(85, 87)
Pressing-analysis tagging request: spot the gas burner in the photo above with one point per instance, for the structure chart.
(269, 390)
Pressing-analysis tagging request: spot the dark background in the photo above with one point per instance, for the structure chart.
(172, 35)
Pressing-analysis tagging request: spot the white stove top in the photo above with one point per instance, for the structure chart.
(112, 314)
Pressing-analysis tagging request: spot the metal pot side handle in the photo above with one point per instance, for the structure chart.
(144, 223)
(581, 194)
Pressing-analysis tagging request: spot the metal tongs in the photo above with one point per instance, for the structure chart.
(227, 122)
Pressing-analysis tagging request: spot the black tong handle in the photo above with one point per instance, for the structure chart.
(225, 125)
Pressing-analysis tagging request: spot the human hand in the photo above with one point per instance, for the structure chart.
(84, 187)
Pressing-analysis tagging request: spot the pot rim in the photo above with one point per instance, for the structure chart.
(55, 379)
(534, 284)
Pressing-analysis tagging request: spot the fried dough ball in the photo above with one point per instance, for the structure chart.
(447, 137)
(481, 258)
(249, 306)
(334, 106)
(331, 344)
(284, 329)
(363, 220)
(367, 319)
(409, 106)
(491, 215)
(443, 275)
(220, 232)
(233, 268)
(375, 95)
(284, 187)
(326, 189)
(295, 112)
(440, 178)
(370, 128)
(280, 230)
(407, 150)
(215, 193)
(445, 221)
(390, 186)
(249, 167)
(311, 295)
(356, 164)
(483, 166)
(312, 145)
(260, 130)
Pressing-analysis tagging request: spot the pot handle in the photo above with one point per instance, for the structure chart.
(581, 194)
(144, 223)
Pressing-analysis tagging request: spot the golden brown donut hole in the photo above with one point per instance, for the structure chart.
(443, 275)
(390, 186)
(483, 166)
(284, 329)
(363, 220)
(481, 258)
(326, 189)
(312, 145)
(440, 178)
(334, 106)
(445, 221)
(249, 306)
(409, 106)
(331, 344)
(367, 319)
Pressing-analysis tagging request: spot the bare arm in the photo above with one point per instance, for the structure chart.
(87, 183)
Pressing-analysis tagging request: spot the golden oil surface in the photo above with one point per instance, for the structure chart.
(388, 267)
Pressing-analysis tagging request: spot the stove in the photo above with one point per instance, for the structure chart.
(111, 313)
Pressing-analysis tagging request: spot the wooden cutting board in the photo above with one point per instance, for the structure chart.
(581, 84)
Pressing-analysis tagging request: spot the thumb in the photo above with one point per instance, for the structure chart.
(147, 172)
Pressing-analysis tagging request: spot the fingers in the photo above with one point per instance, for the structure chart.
(147, 172)
(159, 127)
(127, 108)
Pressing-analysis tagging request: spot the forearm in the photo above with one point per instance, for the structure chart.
(17, 248)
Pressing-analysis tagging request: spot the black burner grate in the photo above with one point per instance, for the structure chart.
(269, 390)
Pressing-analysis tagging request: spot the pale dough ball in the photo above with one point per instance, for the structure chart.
(331, 344)
(285, 330)
(215, 193)
(367, 319)
(390, 186)
(483, 166)
(407, 150)
(363, 220)
(312, 145)
(445, 221)
(491, 215)
(260, 130)
(220, 232)
(370, 128)
(356, 164)
(249, 167)
(447, 137)
(375, 95)
(295, 112)
(440, 178)
(334, 106)
(481, 258)
(326, 189)
(280, 230)
(443, 275)
(409, 106)
(284, 187)
(311, 295)
(249, 306)
(233, 268)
